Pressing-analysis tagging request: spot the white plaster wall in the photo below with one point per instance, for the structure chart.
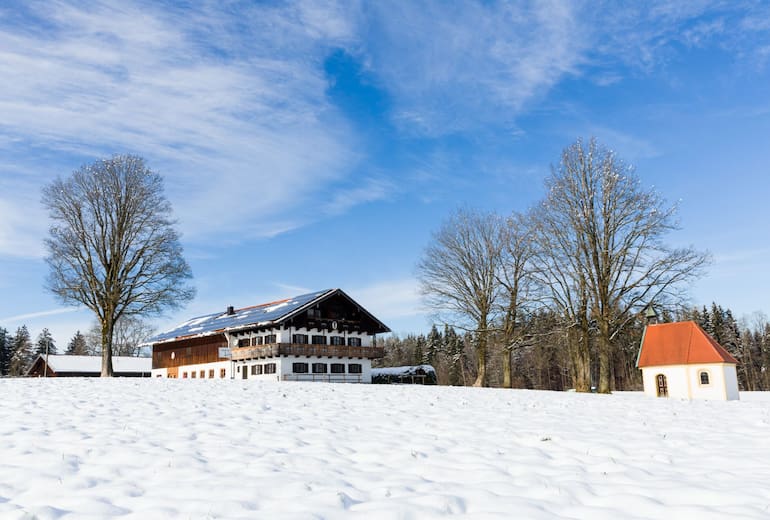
(731, 381)
(217, 366)
(684, 381)
(284, 367)
(158, 372)
(676, 378)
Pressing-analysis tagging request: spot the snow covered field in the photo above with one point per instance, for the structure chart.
(91, 448)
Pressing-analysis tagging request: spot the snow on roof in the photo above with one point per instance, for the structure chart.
(263, 314)
(408, 370)
(679, 344)
(121, 364)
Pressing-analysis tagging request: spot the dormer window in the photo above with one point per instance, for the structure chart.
(704, 378)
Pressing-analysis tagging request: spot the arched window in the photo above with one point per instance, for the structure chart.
(704, 378)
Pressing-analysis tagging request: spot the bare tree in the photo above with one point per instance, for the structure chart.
(615, 236)
(515, 279)
(563, 281)
(112, 246)
(458, 274)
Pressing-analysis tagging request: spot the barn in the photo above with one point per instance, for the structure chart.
(87, 366)
(681, 360)
(319, 336)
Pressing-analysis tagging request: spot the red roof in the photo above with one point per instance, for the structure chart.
(679, 344)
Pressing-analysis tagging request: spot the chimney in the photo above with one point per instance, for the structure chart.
(230, 310)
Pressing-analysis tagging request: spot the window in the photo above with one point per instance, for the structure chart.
(338, 340)
(662, 385)
(269, 368)
(203, 374)
(193, 374)
(314, 313)
(319, 340)
(256, 370)
(244, 342)
(239, 368)
(222, 373)
(354, 342)
(338, 368)
(270, 338)
(319, 368)
(211, 374)
(184, 375)
(704, 378)
(354, 368)
(256, 340)
(300, 339)
(299, 368)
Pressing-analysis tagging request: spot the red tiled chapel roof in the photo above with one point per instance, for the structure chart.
(680, 343)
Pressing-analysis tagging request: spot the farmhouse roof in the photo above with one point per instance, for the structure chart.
(63, 364)
(680, 343)
(265, 314)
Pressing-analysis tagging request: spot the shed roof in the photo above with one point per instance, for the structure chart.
(680, 343)
(93, 364)
(256, 315)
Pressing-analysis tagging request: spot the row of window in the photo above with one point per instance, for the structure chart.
(302, 368)
(301, 339)
(194, 374)
(323, 368)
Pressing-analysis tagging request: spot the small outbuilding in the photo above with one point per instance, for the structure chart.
(682, 361)
(88, 366)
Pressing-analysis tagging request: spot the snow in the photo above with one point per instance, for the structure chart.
(158, 448)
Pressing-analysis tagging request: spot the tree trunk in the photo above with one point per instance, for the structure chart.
(507, 378)
(581, 358)
(107, 328)
(481, 354)
(605, 358)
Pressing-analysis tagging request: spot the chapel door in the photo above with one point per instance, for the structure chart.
(662, 385)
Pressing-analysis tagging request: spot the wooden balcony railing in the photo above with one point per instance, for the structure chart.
(294, 349)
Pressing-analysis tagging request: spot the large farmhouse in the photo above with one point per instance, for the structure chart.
(321, 336)
(681, 360)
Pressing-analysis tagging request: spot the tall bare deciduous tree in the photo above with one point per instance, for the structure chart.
(458, 274)
(515, 279)
(611, 247)
(112, 246)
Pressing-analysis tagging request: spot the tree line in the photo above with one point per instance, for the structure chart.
(543, 361)
(573, 272)
(18, 350)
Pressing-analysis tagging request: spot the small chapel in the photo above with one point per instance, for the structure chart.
(680, 360)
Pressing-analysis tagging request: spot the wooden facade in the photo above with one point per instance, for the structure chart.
(190, 351)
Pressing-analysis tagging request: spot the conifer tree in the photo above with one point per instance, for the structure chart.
(21, 351)
(5, 352)
(45, 341)
(77, 345)
(434, 345)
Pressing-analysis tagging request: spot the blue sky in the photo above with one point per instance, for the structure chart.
(310, 145)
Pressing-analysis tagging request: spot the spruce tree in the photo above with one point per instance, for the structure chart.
(21, 351)
(45, 341)
(434, 345)
(5, 352)
(77, 345)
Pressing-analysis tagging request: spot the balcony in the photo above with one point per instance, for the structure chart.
(295, 349)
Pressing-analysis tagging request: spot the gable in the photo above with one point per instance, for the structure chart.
(680, 343)
(336, 305)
